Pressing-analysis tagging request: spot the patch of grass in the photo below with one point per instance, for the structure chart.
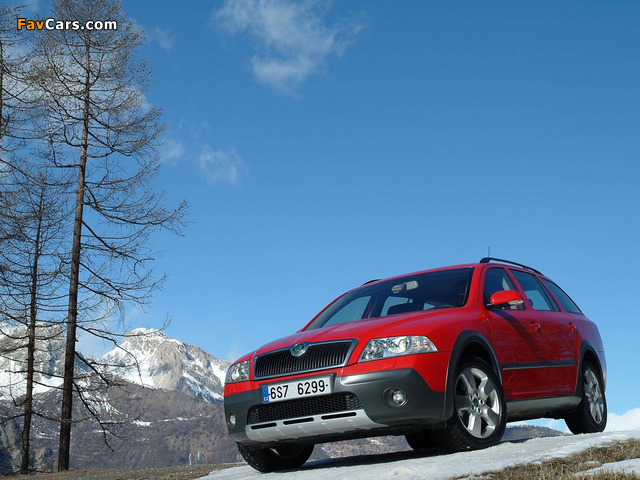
(566, 468)
(182, 472)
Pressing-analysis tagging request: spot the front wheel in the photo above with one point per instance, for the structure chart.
(285, 457)
(591, 414)
(480, 415)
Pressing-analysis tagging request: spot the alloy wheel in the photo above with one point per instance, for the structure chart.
(593, 394)
(477, 402)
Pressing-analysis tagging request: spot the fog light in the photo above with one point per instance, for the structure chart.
(398, 397)
(232, 420)
(394, 397)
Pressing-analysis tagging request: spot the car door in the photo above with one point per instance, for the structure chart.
(556, 330)
(566, 330)
(519, 346)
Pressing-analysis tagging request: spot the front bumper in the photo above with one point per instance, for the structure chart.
(372, 416)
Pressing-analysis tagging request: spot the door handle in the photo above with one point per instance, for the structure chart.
(536, 326)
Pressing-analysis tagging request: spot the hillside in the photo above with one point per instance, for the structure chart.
(171, 401)
(602, 459)
(526, 460)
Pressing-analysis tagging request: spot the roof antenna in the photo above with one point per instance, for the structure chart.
(489, 251)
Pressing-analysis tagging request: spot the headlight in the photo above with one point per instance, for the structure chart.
(238, 372)
(396, 346)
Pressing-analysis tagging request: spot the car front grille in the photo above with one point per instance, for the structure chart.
(317, 356)
(304, 407)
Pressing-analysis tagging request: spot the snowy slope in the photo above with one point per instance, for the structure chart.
(150, 358)
(628, 467)
(415, 466)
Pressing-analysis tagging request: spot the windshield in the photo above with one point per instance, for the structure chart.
(413, 293)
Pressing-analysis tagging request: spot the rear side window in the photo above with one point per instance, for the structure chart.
(497, 280)
(562, 297)
(534, 291)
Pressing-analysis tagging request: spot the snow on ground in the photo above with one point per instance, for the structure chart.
(626, 466)
(413, 465)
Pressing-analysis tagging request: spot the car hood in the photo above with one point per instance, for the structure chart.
(364, 330)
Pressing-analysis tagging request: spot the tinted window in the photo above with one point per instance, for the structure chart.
(497, 280)
(534, 291)
(562, 297)
(412, 293)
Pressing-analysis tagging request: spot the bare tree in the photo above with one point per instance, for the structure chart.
(31, 226)
(13, 89)
(32, 221)
(98, 124)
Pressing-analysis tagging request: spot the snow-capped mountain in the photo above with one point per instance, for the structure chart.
(49, 359)
(169, 403)
(145, 357)
(150, 358)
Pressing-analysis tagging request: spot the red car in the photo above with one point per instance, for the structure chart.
(445, 357)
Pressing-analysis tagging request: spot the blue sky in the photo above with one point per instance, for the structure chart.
(322, 144)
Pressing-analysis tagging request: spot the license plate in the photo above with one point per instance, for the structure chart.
(278, 392)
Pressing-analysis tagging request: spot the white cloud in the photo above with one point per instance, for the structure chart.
(234, 352)
(163, 37)
(92, 346)
(219, 166)
(184, 143)
(292, 38)
(629, 420)
(172, 151)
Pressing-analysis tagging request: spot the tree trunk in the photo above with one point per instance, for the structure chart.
(31, 345)
(70, 353)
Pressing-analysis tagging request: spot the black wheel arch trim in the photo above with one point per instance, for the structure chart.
(585, 347)
(464, 339)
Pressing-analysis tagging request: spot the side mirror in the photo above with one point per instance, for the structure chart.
(504, 298)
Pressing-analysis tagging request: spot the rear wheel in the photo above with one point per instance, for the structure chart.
(480, 415)
(285, 457)
(591, 415)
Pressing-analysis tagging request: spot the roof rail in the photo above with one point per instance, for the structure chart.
(490, 259)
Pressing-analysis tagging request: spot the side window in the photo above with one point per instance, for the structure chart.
(497, 280)
(562, 297)
(350, 312)
(534, 291)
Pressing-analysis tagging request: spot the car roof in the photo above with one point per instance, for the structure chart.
(438, 269)
(504, 264)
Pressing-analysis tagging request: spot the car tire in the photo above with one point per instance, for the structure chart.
(591, 414)
(422, 440)
(480, 409)
(267, 460)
